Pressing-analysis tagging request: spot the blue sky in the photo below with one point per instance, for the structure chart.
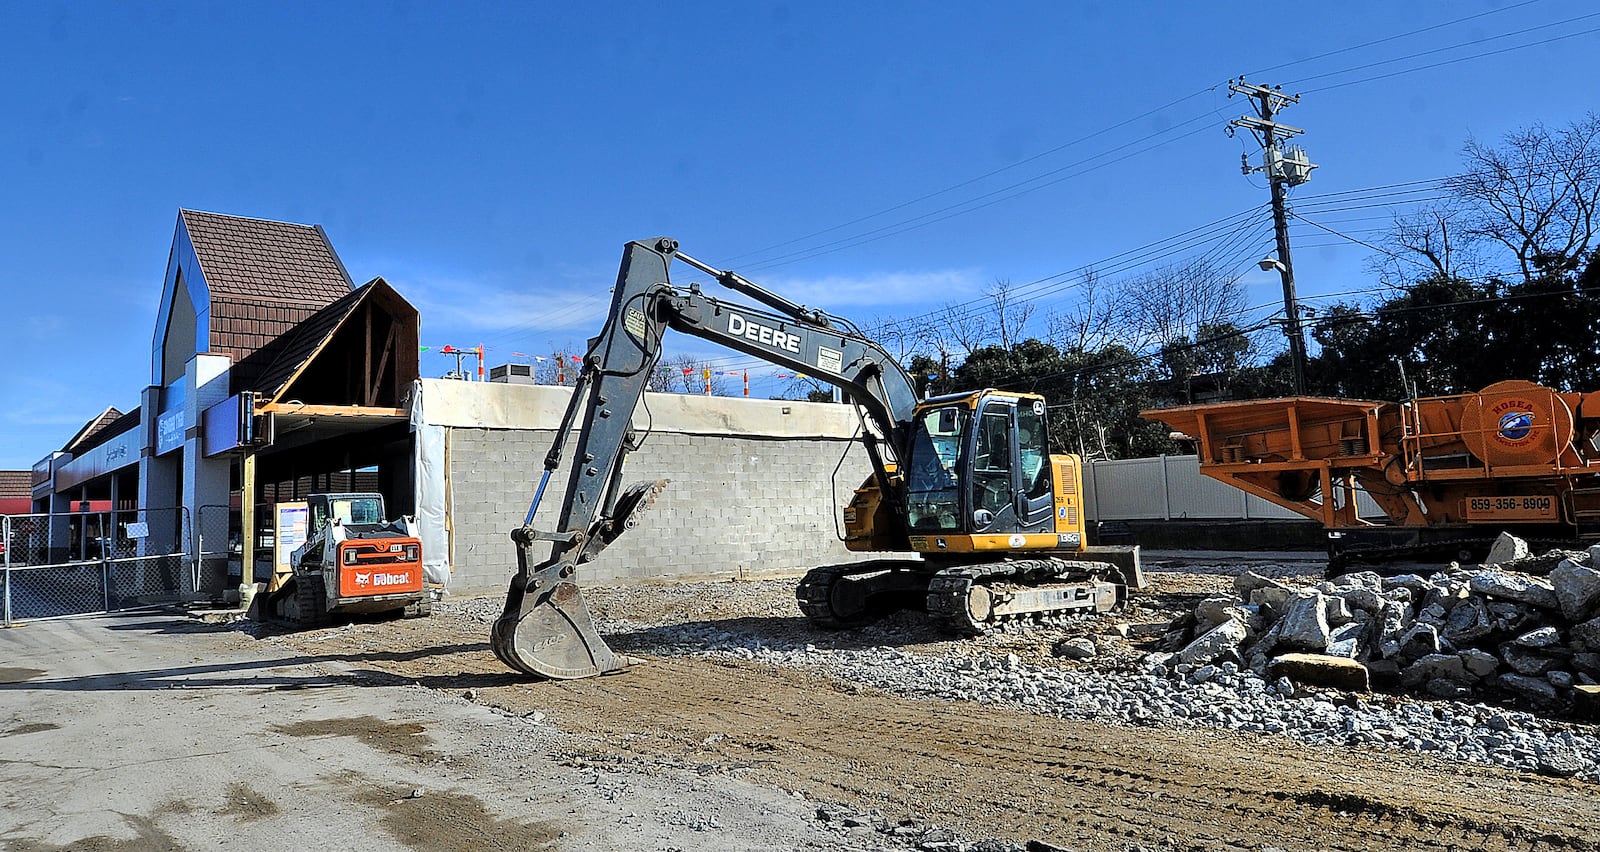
(875, 159)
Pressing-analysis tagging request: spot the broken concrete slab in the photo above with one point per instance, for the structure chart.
(1524, 661)
(1250, 581)
(1221, 639)
(1587, 635)
(1512, 586)
(1077, 648)
(1361, 598)
(1543, 637)
(1468, 622)
(1507, 548)
(1480, 664)
(1272, 601)
(1215, 610)
(1434, 667)
(1321, 670)
(1305, 624)
(1536, 689)
(1577, 589)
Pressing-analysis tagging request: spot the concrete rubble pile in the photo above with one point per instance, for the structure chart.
(1488, 631)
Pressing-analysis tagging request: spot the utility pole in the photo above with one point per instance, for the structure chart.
(1283, 169)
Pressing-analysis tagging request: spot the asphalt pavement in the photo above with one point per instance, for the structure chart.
(149, 730)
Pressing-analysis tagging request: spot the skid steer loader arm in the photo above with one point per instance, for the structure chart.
(546, 629)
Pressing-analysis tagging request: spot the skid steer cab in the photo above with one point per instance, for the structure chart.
(354, 561)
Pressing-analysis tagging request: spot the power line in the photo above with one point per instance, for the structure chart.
(1386, 39)
(960, 208)
(1455, 61)
(982, 177)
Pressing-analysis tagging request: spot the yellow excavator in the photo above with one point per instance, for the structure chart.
(987, 523)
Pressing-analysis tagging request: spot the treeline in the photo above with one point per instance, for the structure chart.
(1496, 277)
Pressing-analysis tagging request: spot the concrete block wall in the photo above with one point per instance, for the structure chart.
(738, 505)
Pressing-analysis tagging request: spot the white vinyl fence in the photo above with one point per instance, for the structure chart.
(1172, 488)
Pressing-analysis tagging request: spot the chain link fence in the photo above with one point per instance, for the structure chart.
(217, 527)
(83, 562)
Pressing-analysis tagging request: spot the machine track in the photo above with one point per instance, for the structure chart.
(310, 607)
(971, 599)
(1379, 558)
(838, 597)
(965, 599)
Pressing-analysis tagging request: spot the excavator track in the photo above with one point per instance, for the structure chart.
(973, 599)
(838, 597)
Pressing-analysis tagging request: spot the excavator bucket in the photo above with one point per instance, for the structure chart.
(555, 638)
(546, 629)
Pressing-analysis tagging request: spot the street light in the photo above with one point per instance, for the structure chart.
(1297, 342)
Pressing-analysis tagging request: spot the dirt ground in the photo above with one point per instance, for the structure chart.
(986, 772)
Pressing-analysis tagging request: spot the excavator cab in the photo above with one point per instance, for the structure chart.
(979, 465)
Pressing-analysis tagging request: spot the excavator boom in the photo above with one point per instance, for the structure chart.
(546, 629)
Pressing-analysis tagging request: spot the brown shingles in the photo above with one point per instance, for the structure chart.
(265, 277)
(102, 430)
(16, 484)
(289, 352)
(95, 426)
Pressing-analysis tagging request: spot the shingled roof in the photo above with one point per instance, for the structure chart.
(16, 485)
(265, 278)
(105, 432)
(294, 351)
(94, 427)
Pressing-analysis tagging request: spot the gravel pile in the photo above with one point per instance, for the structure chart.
(902, 656)
(1488, 631)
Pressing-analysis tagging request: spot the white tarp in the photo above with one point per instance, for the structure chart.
(430, 493)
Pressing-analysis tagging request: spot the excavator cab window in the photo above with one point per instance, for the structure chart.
(1032, 448)
(933, 488)
(991, 463)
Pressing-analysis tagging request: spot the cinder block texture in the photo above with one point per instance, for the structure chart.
(737, 505)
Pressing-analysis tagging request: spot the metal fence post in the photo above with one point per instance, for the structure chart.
(105, 563)
(5, 531)
(1166, 490)
(194, 532)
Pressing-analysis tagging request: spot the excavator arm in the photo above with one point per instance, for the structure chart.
(546, 629)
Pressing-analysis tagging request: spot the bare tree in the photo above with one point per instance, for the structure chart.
(1011, 313)
(1173, 302)
(901, 337)
(1435, 239)
(961, 328)
(1092, 321)
(1536, 194)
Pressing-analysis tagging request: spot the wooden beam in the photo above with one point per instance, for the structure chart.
(383, 364)
(247, 519)
(331, 410)
(366, 372)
